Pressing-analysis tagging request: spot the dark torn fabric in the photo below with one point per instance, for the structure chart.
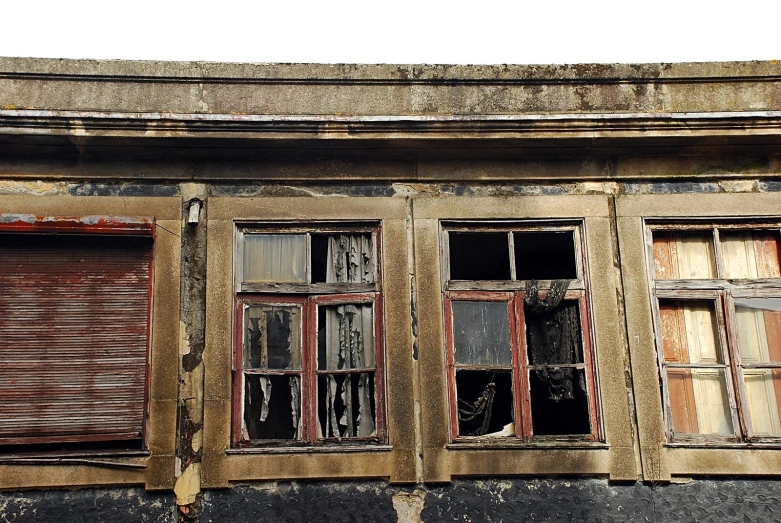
(553, 337)
(483, 406)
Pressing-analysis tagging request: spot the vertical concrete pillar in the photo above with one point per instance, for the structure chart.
(192, 325)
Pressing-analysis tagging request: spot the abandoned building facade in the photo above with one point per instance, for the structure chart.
(266, 292)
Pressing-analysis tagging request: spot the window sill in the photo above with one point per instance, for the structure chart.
(95, 459)
(521, 445)
(770, 445)
(331, 449)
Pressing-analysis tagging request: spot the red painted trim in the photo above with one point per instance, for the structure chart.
(238, 374)
(309, 398)
(75, 438)
(238, 353)
(150, 312)
(36, 224)
(379, 373)
(451, 371)
(523, 395)
(589, 359)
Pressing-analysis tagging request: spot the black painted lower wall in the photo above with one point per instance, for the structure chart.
(506, 501)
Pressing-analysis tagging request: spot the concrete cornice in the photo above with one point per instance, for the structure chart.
(264, 73)
(528, 126)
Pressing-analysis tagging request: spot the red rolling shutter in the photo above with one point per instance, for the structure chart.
(74, 332)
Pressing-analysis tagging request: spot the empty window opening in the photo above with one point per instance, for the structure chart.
(319, 258)
(564, 411)
(479, 256)
(485, 403)
(272, 407)
(545, 255)
(346, 406)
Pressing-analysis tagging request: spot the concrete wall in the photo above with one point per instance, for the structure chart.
(380, 142)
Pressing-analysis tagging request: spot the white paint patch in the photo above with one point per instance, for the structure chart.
(37, 188)
(409, 505)
(188, 485)
(197, 441)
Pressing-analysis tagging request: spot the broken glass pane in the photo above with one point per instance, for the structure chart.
(272, 407)
(272, 337)
(485, 403)
(345, 336)
(559, 414)
(481, 333)
(479, 256)
(277, 258)
(545, 255)
(759, 329)
(346, 406)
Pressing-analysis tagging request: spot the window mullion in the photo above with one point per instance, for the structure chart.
(657, 324)
(588, 357)
(719, 259)
(522, 395)
(451, 372)
(511, 246)
(722, 323)
(309, 374)
(737, 387)
(309, 258)
(379, 366)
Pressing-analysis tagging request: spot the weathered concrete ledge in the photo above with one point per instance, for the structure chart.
(405, 73)
(366, 90)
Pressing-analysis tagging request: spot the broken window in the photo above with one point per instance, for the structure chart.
(75, 297)
(717, 311)
(310, 345)
(519, 354)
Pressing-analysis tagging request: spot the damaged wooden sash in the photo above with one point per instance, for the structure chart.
(517, 338)
(309, 362)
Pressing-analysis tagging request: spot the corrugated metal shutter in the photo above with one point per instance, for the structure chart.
(74, 331)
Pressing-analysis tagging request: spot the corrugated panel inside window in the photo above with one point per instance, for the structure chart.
(74, 328)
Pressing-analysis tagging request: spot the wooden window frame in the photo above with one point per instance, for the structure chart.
(308, 296)
(92, 227)
(513, 292)
(722, 292)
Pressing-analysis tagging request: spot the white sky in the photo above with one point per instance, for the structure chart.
(397, 31)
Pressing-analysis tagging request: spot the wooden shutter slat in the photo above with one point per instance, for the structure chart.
(74, 324)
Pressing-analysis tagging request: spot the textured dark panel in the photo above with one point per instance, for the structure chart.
(474, 501)
(124, 189)
(505, 501)
(719, 501)
(538, 500)
(671, 188)
(87, 506)
(770, 186)
(301, 502)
